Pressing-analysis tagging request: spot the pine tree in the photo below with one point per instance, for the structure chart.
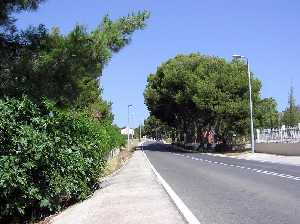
(291, 116)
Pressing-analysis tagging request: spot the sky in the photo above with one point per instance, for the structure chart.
(267, 32)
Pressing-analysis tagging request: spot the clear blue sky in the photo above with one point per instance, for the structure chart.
(268, 32)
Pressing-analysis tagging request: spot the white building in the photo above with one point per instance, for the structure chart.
(124, 131)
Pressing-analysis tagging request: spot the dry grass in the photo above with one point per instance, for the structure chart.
(118, 161)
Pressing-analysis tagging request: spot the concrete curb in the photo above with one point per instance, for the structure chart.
(182, 208)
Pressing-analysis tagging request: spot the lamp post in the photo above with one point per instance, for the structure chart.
(250, 99)
(128, 128)
(140, 132)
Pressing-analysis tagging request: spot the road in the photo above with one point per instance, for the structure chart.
(225, 190)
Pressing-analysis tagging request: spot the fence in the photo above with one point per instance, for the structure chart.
(279, 135)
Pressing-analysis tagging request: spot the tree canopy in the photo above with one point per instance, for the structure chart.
(155, 128)
(291, 115)
(64, 68)
(266, 114)
(8, 7)
(196, 92)
(55, 129)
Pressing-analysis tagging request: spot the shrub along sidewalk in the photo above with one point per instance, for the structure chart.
(117, 161)
(49, 158)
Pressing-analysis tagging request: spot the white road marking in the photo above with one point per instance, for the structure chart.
(184, 210)
(266, 172)
(281, 175)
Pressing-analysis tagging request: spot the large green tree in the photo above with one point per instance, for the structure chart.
(65, 68)
(196, 92)
(291, 115)
(8, 7)
(155, 128)
(11, 41)
(266, 114)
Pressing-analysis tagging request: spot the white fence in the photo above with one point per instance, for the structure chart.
(279, 135)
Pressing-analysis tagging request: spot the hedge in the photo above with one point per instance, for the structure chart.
(49, 158)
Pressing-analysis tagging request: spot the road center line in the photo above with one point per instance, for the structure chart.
(266, 172)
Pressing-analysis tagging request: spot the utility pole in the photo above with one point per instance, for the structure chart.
(251, 107)
(128, 128)
(140, 132)
(250, 100)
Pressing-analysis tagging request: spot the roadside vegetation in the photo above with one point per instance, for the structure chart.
(291, 115)
(55, 129)
(50, 158)
(117, 161)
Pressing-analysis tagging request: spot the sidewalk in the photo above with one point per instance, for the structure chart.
(132, 196)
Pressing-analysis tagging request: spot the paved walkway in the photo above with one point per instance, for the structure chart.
(132, 196)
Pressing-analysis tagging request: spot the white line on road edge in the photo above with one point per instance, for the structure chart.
(287, 176)
(183, 209)
(255, 159)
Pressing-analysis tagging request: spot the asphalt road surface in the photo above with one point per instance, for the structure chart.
(225, 190)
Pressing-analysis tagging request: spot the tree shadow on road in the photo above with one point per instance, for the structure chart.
(160, 147)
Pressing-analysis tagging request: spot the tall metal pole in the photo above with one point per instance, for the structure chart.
(128, 128)
(251, 107)
(140, 132)
(250, 100)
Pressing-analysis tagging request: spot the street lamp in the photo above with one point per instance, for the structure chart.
(250, 99)
(130, 105)
(140, 132)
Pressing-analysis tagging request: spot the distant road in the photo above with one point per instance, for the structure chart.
(225, 190)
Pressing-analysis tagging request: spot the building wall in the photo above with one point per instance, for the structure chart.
(125, 131)
(286, 149)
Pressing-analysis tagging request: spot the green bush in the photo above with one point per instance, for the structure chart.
(49, 158)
